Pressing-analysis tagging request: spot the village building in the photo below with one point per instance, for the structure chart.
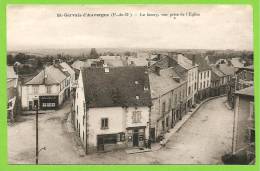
(12, 93)
(204, 78)
(243, 143)
(192, 76)
(76, 66)
(112, 61)
(244, 77)
(168, 92)
(221, 75)
(112, 107)
(66, 67)
(47, 90)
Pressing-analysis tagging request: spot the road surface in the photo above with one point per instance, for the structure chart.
(204, 138)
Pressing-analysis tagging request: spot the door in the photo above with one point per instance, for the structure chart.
(135, 138)
(100, 143)
(152, 134)
(35, 103)
(30, 105)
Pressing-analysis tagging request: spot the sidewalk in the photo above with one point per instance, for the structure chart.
(179, 125)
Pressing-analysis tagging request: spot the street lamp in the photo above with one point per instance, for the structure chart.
(37, 136)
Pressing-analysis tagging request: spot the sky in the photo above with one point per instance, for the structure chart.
(214, 27)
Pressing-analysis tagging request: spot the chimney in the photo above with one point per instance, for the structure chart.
(157, 70)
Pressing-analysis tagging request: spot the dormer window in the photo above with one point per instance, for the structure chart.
(137, 97)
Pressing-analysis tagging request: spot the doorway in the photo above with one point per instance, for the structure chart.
(135, 138)
(100, 143)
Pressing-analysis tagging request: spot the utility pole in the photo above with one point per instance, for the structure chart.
(37, 138)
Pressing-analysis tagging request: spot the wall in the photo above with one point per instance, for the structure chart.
(29, 95)
(242, 111)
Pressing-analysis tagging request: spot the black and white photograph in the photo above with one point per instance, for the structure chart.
(130, 84)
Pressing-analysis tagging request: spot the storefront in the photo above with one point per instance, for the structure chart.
(135, 136)
(48, 102)
(108, 142)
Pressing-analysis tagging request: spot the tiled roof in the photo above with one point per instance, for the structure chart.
(52, 74)
(236, 62)
(227, 70)
(216, 71)
(203, 65)
(78, 64)
(163, 83)
(246, 91)
(121, 86)
(68, 68)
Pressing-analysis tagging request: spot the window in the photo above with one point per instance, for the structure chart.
(189, 91)
(136, 117)
(49, 89)
(167, 121)
(120, 137)
(200, 85)
(137, 97)
(110, 138)
(83, 135)
(163, 125)
(170, 103)
(77, 110)
(163, 107)
(200, 75)
(84, 119)
(104, 123)
(204, 84)
(204, 74)
(251, 110)
(195, 86)
(35, 89)
(208, 83)
(208, 74)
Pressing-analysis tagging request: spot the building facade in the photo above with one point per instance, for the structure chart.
(48, 89)
(169, 92)
(112, 108)
(12, 93)
(243, 144)
(244, 77)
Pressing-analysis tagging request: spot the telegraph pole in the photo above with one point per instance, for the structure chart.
(37, 138)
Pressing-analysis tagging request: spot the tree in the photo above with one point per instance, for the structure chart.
(10, 59)
(93, 54)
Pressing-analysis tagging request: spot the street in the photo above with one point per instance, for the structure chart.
(202, 140)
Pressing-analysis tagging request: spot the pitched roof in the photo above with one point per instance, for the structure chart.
(227, 70)
(249, 91)
(163, 83)
(68, 68)
(203, 65)
(52, 75)
(216, 71)
(236, 62)
(117, 87)
(78, 64)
